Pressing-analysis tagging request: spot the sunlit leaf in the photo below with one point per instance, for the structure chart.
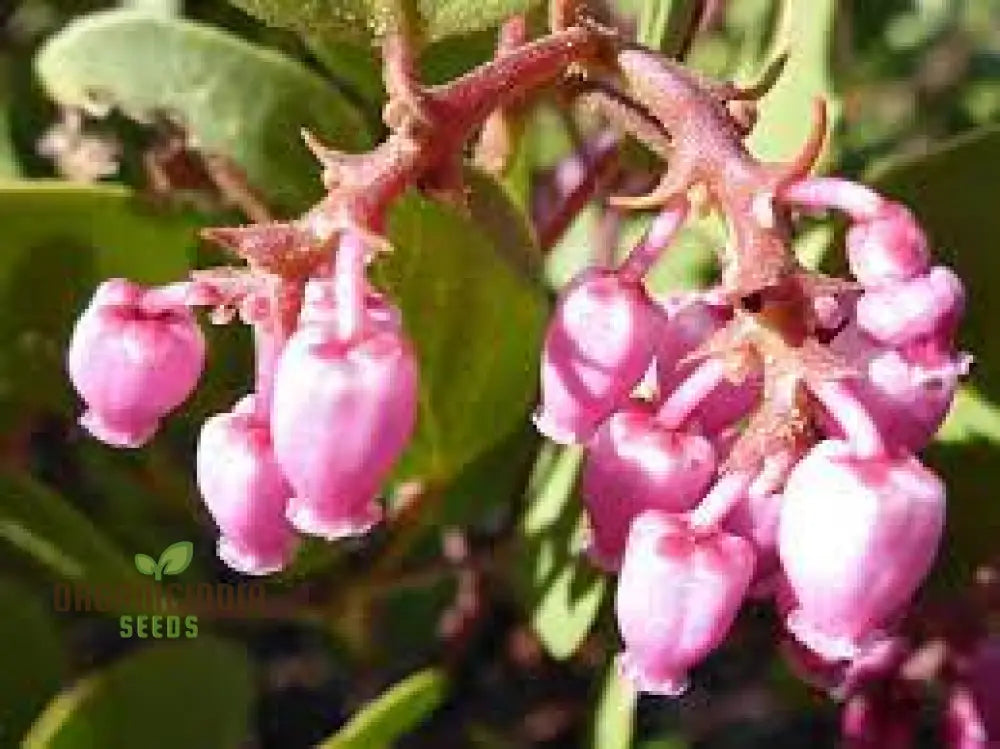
(562, 590)
(393, 713)
(194, 694)
(235, 99)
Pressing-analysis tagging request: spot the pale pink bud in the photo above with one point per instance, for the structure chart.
(856, 537)
(678, 594)
(889, 247)
(635, 464)
(245, 491)
(598, 347)
(907, 392)
(342, 414)
(690, 324)
(132, 362)
(902, 311)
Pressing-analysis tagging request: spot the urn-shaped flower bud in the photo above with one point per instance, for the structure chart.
(598, 346)
(635, 464)
(908, 391)
(889, 247)
(856, 537)
(902, 311)
(245, 491)
(132, 362)
(343, 411)
(678, 594)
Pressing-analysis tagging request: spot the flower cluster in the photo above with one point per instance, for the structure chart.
(769, 452)
(333, 406)
(775, 458)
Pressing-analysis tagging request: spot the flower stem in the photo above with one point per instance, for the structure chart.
(349, 286)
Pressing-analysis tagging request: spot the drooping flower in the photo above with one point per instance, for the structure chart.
(245, 490)
(598, 346)
(899, 312)
(635, 464)
(888, 247)
(133, 361)
(343, 411)
(679, 591)
(856, 537)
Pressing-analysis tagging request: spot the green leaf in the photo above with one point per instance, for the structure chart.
(477, 325)
(614, 718)
(33, 661)
(176, 558)
(663, 24)
(562, 591)
(370, 19)
(145, 564)
(806, 33)
(194, 694)
(44, 528)
(235, 99)
(972, 417)
(9, 164)
(59, 240)
(393, 713)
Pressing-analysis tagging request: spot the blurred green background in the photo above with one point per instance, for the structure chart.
(471, 622)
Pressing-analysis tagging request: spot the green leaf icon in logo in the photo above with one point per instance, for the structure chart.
(173, 561)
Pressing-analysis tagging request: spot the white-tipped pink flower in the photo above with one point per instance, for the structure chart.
(856, 537)
(902, 311)
(133, 361)
(343, 411)
(635, 464)
(245, 491)
(889, 247)
(598, 346)
(678, 593)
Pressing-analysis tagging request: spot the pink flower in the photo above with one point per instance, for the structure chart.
(343, 411)
(907, 391)
(856, 537)
(902, 311)
(245, 491)
(132, 362)
(598, 347)
(690, 323)
(678, 594)
(635, 464)
(889, 247)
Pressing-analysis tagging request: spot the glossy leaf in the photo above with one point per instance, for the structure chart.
(371, 19)
(41, 526)
(194, 694)
(614, 717)
(807, 33)
(59, 240)
(665, 24)
(393, 713)
(235, 99)
(477, 325)
(561, 589)
(33, 662)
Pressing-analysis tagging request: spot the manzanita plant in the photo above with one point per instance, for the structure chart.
(755, 440)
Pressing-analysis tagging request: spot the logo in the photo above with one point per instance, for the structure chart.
(155, 609)
(173, 561)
